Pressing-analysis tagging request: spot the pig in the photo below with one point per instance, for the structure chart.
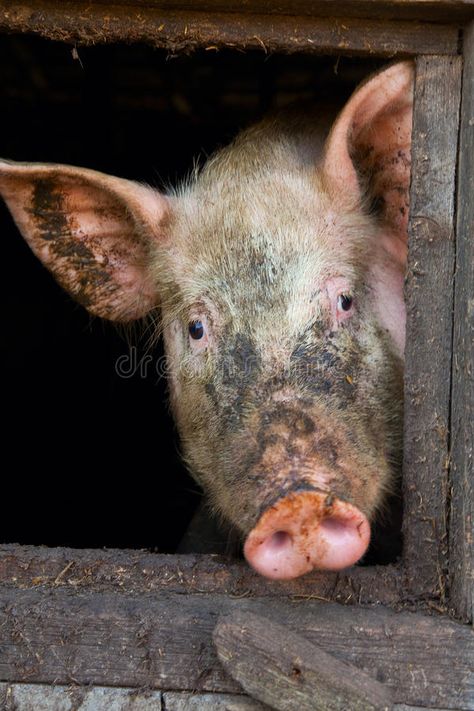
(277, 271)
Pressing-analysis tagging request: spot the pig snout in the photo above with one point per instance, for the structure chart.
(307, 530)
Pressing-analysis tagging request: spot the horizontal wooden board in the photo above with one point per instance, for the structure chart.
(165, 642)
(432, 10)
(186, 30)
(135, 572)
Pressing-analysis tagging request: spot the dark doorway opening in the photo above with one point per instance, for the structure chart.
(89, 449)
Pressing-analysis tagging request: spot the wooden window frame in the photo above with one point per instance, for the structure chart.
(79, 603)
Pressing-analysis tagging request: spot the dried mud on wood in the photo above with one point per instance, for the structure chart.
(284, 670)
(184, 31)
(165, 642)
(429, 298)
(437, 10)
(139, 572)
(461, 533)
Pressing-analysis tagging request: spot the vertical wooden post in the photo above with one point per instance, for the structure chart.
(429, 322)
(461, 534)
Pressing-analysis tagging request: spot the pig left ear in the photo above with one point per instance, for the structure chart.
(94, 232)
(368, 150)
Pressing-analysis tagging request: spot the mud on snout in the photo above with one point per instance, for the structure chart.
(306, 491)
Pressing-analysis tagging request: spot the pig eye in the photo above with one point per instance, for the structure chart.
(196, 330)
(344, 302)
(339, 300)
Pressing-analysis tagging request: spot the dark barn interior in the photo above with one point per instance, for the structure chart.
(90, 455)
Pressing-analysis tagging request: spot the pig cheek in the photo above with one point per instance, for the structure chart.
(190, 402)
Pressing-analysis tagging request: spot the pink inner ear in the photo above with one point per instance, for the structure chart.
(384, 153)
(375, 129)
(94, 232)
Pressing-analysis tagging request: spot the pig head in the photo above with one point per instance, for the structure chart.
(278, 274)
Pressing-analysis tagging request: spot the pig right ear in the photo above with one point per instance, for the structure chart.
(94, 232)
(368, 149)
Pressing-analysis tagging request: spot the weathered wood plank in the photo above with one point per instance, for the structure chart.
(136, 571)
(26, 697)
(165, 642)
(184, 31)
(429, 300)
(282, 669)
(436, 10)
(461, 533)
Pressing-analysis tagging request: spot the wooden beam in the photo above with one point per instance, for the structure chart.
(68, 636)
(435, 10)
(429, 298)
(187, 30)
(140, 572)
(283, 669)
(461, 532)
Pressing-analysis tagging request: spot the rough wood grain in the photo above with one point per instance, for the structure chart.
(461, 533)
(185, 31)
(436, 10)
(282, 669)
(165, 642)
(429, 298)
(136, 571)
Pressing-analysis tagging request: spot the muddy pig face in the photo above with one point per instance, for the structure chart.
(278, 271)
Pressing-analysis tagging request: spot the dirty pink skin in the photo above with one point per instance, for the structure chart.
(299, 463)
(301, 532)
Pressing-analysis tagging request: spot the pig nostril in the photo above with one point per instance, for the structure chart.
(279, 540)
(334, 525)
